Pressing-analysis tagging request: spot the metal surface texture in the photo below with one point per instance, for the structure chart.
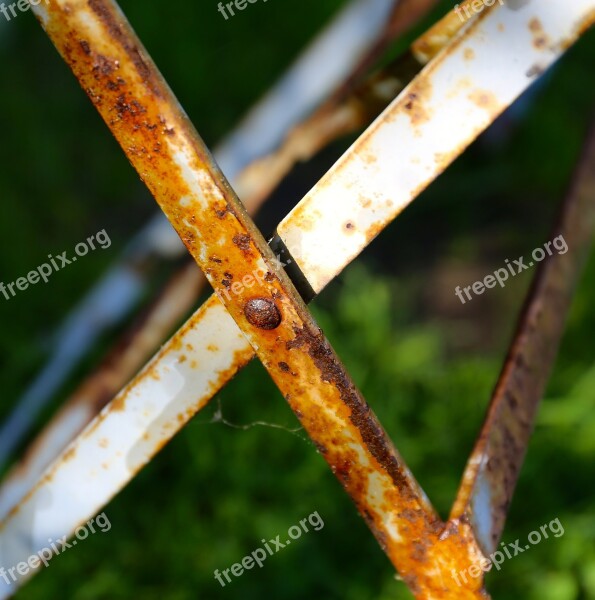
(354, 105)
(145, 118)
(308, 81)
(429, 124)
(346, 111)
(456, 96)
(493, 468)
(138, 345)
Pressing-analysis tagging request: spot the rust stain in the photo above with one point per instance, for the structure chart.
(540, 38)
(121, 36)
(148, 123)
(369, 158)
(585, 24)
(439, 35)
(485, 100)
(69, 455)
(468, 54)
(414, 103)
(242, 241)
(119, 403)
(333, 372)
(493, 468)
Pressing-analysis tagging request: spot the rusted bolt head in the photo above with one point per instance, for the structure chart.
(262, 313)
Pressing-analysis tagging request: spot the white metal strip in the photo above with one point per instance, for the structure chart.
(457, 96)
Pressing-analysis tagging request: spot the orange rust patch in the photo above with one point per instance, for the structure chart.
(213, 348)
(160, 445)
(119, 403)
(586, 23)
(103, 442)
(414, 103)
(373, 231)
(468, 54)
(369, 158)
(540, 38)
(485, 100)
(69, 454)
(302, 219)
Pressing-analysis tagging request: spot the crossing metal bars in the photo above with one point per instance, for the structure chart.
(256, 309)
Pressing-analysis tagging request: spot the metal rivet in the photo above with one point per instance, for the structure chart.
(262, 313)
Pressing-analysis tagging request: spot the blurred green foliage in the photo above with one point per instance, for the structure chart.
(426, 364)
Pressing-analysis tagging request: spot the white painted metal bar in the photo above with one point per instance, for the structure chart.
(429, 125)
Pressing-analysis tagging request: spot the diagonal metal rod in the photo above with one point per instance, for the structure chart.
(145, 118)
(351, 108)
(355, 29)
(457, 96)
(160, 402)
(493, 468)
(346, 112)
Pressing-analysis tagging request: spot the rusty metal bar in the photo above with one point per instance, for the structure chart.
(439, 35)
(126, 435)
(566, 33)
(355, 29)
(345, 112)
(493, 468)
(309, 81)
(403, 15)
(142, 113)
